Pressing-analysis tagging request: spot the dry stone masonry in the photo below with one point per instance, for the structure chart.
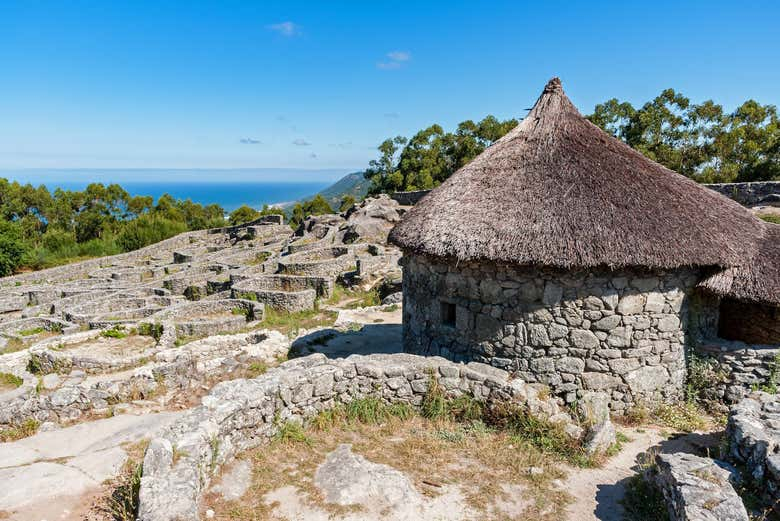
(242, 414)
(155, 324)
(754, 442)
(618, 332)
(697, 489)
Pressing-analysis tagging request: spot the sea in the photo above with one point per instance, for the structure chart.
(227, 188)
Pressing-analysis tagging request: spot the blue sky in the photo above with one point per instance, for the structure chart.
(250, 84)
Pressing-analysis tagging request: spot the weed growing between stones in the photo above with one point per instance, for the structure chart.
(351, 298)
(643, 501)
(772, 383)
(23, 430)
(291, 432)
(702, 375)
(154, 330)
(115, 332)
(256, 369)
(291, 323)
(31, 331)
(683, 416)
(458, 454)
(122, 502)
(9, 381)
(13, 345)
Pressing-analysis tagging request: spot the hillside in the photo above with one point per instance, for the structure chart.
(353, 184)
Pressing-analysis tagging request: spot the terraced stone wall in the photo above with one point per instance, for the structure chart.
(623, 332)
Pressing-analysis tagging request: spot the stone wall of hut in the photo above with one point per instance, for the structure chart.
(737, 346)
(621, 332)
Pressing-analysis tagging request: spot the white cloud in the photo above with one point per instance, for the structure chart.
(399, 56)
(300, 142)
(395, 60)
(288, 29)
(250, 141)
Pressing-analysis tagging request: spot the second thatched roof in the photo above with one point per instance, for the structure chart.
(558, 191)
(757, 280)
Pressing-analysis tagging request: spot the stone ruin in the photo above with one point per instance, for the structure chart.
(102, 335)
(242, 414)
(159, 328)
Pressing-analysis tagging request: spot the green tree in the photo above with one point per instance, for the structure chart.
(243, 214)
(146, 230)
(700, 141)
(346, 203)
(316, 206)
(271, 210)
(12, 248)
(431, 155)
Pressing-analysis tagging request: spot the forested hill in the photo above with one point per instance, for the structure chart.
(353, 185)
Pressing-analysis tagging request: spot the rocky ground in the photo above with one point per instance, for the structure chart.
(101, 359)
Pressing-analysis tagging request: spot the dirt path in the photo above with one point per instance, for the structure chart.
(598, 492)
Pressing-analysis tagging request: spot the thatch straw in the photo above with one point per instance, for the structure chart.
(758, 280)
(558, 191)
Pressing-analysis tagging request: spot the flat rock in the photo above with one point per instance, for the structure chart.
(697, 489)
(381, 492)
(235, 481)
(56, 467)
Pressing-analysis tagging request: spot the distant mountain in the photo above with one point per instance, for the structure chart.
(353, 184)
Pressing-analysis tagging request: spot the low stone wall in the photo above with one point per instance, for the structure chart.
(68, 396)
(242, 414)
(209, 317)
(621, 332)
(83, 268)
(323, 262)
(278, 299)
(15, 328)
(740, 367)
(697, 489)
(753, 432)
(748, 194)
(322, 285)
(409, 198)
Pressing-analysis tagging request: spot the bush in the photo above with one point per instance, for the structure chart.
(12, 248)
(243, 214)
(146, 230)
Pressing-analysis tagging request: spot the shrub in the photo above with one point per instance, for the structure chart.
(12, 248)
(146, 230)
(243, 214)
(114, 332)
(154, 330)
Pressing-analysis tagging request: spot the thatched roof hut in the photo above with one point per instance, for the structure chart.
(756, 281)
(558, 191)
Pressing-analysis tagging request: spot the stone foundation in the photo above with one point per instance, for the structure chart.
(617, 331)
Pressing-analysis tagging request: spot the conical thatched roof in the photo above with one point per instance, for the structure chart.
(756, 281)
(558, 191)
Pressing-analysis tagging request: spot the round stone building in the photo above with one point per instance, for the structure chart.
(566, 256)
